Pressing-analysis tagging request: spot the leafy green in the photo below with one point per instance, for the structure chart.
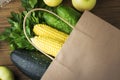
(14, 33)
(30, 4)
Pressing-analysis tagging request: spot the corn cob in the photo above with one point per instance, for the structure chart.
(47, 44)
(42, 29)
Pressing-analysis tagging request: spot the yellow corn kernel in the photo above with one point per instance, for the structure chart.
(47, 44)
(42, 29)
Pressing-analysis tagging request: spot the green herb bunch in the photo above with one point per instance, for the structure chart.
(14, 33)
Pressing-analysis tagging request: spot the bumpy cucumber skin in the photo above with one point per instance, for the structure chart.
(33, 64)
(68, 13)
(56, 23)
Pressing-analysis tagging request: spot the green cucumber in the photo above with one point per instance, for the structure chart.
(56, 23)
(32, 63)
(68, 13)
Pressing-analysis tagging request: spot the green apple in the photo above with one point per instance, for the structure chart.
(6, 73)
(52, 3)
(82, 5)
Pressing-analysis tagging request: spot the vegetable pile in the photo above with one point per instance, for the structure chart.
(14, 34)
(50, 40)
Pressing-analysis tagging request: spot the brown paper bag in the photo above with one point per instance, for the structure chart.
(92, 52)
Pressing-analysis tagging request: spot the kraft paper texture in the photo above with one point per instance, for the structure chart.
(92, 52)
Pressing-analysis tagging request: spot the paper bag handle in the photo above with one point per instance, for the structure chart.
(24, 29)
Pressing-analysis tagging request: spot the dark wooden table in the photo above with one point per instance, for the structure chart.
(109, 10)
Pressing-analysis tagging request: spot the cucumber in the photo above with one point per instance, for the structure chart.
(68, 13)
(32, 63)
(56, 23)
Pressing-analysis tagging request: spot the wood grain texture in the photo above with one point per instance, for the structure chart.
(109, 10)
(4, 48)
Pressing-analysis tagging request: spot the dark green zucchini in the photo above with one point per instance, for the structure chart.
(31, 63)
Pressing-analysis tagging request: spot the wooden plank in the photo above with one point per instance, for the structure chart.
(108, 10)
(4, 48)
(5, 57)
(18, 74)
